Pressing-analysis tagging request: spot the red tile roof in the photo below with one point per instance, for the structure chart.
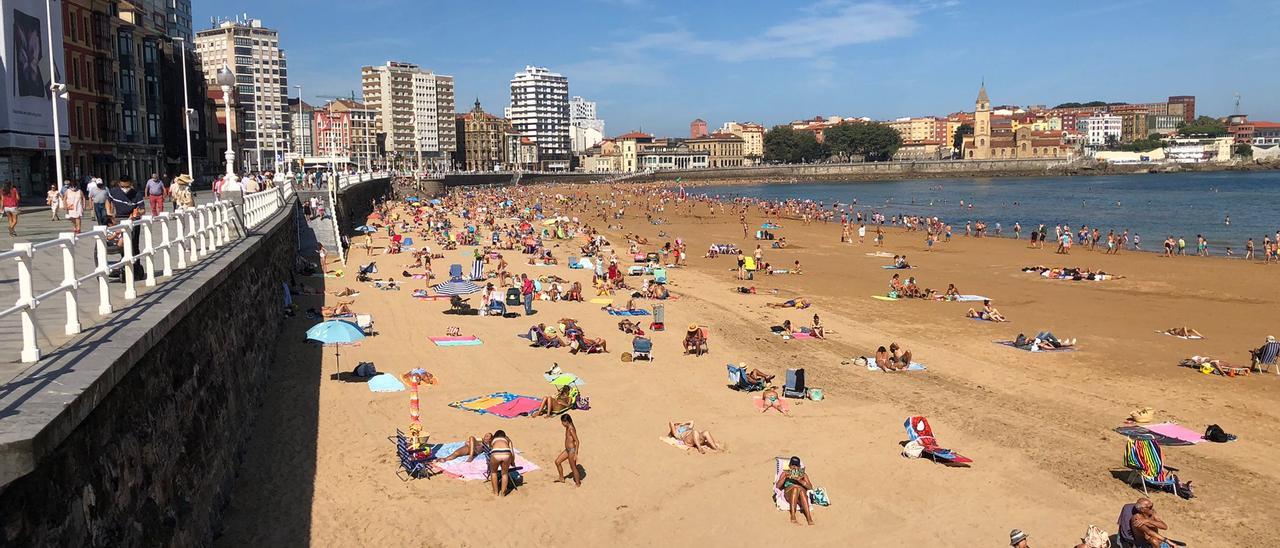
(634, 135)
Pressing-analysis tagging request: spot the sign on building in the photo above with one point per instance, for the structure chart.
(26, 112)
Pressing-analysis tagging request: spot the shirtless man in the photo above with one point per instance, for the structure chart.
(570, 452)
(1147, 525)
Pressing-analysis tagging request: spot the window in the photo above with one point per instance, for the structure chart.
(72, 26)
(129, 122)
(153, 126)
(75, 72)
(79, 121)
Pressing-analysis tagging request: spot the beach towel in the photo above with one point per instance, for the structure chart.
(637, 312)
(780, 499)
(879, 254)
(520, 406)
(679, 444)
(471, 340)
(1175, 431)
(585, 263)
(969, 298)
(477, 469)
(601, 300)
(477, 270)
(385, 383)
(884, 298)
(1136, 432)
(802, 335)
(758, 401)
(1011, 344)
(895, 267)
(914, 366)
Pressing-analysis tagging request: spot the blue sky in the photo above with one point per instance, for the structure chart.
(656, 65)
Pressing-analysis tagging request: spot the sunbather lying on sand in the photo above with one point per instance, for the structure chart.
(797, 303)
(1183, 332)
(472, 449)
(988, 313)
(1043, 340)
(346, 292)
(343, 308)
(697, 439)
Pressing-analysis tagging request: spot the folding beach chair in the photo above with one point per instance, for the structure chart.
(642, 349)
(455, 272)
(573, 263)
(738, 379)
(652, 257)
(659, 322)
(412, 465)
(365, 323)
(660, 275)
(514, 298)
(1267, 356)
(918, 430)
(795, 387)
(1145, 460)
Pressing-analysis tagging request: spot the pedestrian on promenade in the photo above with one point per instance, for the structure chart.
(123, 202)
(570, 452)
(156, 193)
(181, 193)
(54, 201)
(73, 203)
(9, 204)
(98, 195)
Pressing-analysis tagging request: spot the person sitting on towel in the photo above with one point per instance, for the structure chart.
(817, 331)
(692, 437)
(988, 313)
(883, 357)
(471, 449)
(575, 292)
(952, 293)
(899, 357)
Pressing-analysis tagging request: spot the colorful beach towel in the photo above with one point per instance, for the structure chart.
(1142, 432)
(619, 312)
(471, 340)
(1011, 344)
(895, 267)
(477, 469)
(502, 404)
(385, 383)
(884, 298)
(1175, 431)
(914, 366)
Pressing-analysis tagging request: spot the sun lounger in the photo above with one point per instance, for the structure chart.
(1145, 461)
(738, 379)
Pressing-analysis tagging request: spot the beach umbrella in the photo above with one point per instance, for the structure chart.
(566, 379)
(335, 332)
(436, 201)
(366, 229)
(411, 199)
(457, 287)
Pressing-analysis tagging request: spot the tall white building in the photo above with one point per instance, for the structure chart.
(253, 53)
(540, 111)
(415, 110)
(585, 128)
(1097, 129)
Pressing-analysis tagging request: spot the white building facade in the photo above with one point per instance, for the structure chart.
(1098, 130)
(415, 111)
(540, 111)
(253, 53)
(586, 129)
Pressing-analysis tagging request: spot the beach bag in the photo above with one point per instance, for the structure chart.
(627, 357)
(913, 449)
(1096, 538)
(1143, 415)
(860, 361)
(583, 403)
(365, 370)
(819, 496)
(1216, 434)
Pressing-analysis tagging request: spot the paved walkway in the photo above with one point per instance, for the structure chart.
(36, 226)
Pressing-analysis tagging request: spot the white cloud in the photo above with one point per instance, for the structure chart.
(825, 26)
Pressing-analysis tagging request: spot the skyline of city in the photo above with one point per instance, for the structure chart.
(632, 69)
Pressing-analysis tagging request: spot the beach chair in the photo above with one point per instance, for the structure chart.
(635, 270)
(738, 379)
(365, 323)
(1145, 460)
(918, 430)
(458, 304)
(638, 258)
(795, 387)
(514, 298)
(660, 275)
(573, 263)
(455, 272)
(659, 322)
(1266, 356)
(412, 466)
(642, 349)
(652, 257)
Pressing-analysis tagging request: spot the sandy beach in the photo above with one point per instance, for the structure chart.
(1039, 426)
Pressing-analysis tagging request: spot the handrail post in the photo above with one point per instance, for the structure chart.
(166, 259)
(148, 250)
(211, 217)
(104, 289)
(180, 238)
(69, 279)
(26, 296)
(126, 241)
(201, 246)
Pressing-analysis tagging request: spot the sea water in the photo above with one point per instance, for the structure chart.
(1154, 206)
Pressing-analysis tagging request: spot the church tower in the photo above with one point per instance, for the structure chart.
(982, 125)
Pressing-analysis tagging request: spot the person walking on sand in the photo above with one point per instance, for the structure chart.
(570, 452)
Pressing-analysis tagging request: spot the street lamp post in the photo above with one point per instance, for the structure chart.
(186, 107)
(56, 91)
(226, 79)
(302, 145)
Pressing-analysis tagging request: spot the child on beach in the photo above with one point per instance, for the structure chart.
(570, 452)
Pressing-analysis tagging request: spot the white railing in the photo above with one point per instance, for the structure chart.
(168, 242)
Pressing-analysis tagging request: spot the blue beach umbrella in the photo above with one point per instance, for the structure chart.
(335, 332)
(366, 229)
(411, 199)
(457, 287)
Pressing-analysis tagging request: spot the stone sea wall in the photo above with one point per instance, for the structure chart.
(153, 461)
(864, 171)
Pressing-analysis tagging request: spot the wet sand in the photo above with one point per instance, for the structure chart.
(1038, 426)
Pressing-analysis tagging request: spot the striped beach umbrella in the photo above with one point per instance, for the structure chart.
(457, 287)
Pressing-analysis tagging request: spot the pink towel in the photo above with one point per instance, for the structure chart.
(1175, 431)
(479, 468)
(448, 339)
(759, 401)
(802, 335)
(522, 405)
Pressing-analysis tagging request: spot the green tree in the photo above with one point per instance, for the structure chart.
(1204, 125)
(1244, 149)
(957, 140)
(786, 145)
(872, 141)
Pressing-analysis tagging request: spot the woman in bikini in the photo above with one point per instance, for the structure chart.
(817, 330)
(502, 456)
(471, 449)
(691, 437)
(772, 400)
(795, 486)
(988, 313)
(561, 402)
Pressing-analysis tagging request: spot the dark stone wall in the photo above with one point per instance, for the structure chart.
(356, 203)
(153, 464)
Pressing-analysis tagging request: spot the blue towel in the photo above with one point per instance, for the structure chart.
(628, 312)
